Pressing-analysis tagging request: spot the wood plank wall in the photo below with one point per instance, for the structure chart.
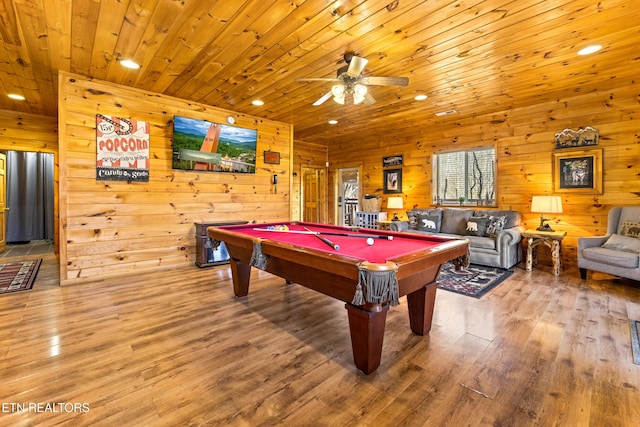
(115, 228)
(35, 133)
(310, 155)
(523, 139)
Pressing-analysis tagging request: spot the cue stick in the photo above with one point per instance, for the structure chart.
(328, 233)
(324, 239)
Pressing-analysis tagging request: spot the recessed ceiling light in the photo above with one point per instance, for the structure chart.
(16, 97)
(333, 122)
(128, 63)
(257, 102)
(421, 97)
(590, 49)
(445, 113)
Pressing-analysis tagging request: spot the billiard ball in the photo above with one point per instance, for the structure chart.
(369, 241)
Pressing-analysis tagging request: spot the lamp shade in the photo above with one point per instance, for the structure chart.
(546, 204)
(394, 203)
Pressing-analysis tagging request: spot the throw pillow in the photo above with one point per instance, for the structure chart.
(477, 226)
(412, 216)
(622, 243)
(495, 225)
(630, 229)
(429, 223)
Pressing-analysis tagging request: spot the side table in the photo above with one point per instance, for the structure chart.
(551, 239)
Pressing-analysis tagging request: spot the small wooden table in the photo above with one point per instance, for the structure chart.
(552, 239)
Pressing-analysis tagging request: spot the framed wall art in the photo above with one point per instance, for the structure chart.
(570, 138)
(392, 181)
(392, 161)
(272, 157)
(578, 171)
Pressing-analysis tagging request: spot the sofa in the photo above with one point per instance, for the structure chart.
(495, 235)
(618, 252)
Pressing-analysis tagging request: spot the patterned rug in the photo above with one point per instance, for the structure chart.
(473, 281)
(635, 340)
(18, 276)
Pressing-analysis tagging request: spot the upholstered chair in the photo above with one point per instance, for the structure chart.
(617, 252)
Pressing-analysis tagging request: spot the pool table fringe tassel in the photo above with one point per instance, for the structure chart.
(258, 259)
(376, 287)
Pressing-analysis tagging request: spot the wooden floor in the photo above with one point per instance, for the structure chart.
(177, 348)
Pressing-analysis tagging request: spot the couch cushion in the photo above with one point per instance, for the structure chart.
(629, 228)
(482, 242)
(612, 257)
(622, 243)
(454, 220)
(412, 215)
(429, 222)
(513, 217)
(477, 226)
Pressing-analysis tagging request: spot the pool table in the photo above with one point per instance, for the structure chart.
(367, 277)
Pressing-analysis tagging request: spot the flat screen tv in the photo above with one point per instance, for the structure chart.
(205, 146)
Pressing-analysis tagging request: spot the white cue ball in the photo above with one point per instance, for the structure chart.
(369, 241)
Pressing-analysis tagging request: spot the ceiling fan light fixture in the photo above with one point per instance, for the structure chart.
(359, 92)
(338, 90)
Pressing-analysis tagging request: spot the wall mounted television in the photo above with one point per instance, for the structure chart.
(200, 145)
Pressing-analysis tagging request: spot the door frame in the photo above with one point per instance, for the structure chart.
(337, 191)
(322, 193)
(56, 188)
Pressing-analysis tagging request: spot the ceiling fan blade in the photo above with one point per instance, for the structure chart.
(322, 99)
(318, 79)
(385, 81)
(368, 99)
(356, 66)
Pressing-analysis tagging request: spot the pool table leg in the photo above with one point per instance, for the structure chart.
(367, 333)
(420, 304)
(241, 272)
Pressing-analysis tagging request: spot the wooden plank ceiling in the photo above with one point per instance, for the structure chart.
(473, 56)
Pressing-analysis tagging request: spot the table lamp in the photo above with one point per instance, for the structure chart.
(394, 203)
(546, 204)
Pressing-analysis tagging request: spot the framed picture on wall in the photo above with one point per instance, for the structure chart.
(272, 157)
(392, 181)
(578, 171)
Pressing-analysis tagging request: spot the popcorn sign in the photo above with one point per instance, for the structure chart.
(122, 149)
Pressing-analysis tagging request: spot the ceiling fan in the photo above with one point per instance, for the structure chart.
(350, 84)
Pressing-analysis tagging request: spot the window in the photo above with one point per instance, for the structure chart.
(468, 175)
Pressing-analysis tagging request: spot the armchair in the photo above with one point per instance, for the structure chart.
(618, 252)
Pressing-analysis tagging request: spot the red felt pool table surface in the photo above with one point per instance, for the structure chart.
(380, 252)
(367, 278)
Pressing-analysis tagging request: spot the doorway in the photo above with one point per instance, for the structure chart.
(348, 201)
(314, 195)
(29, 218)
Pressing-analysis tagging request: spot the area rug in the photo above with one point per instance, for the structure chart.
(18, 276)
(473, 281)
(635, 340)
